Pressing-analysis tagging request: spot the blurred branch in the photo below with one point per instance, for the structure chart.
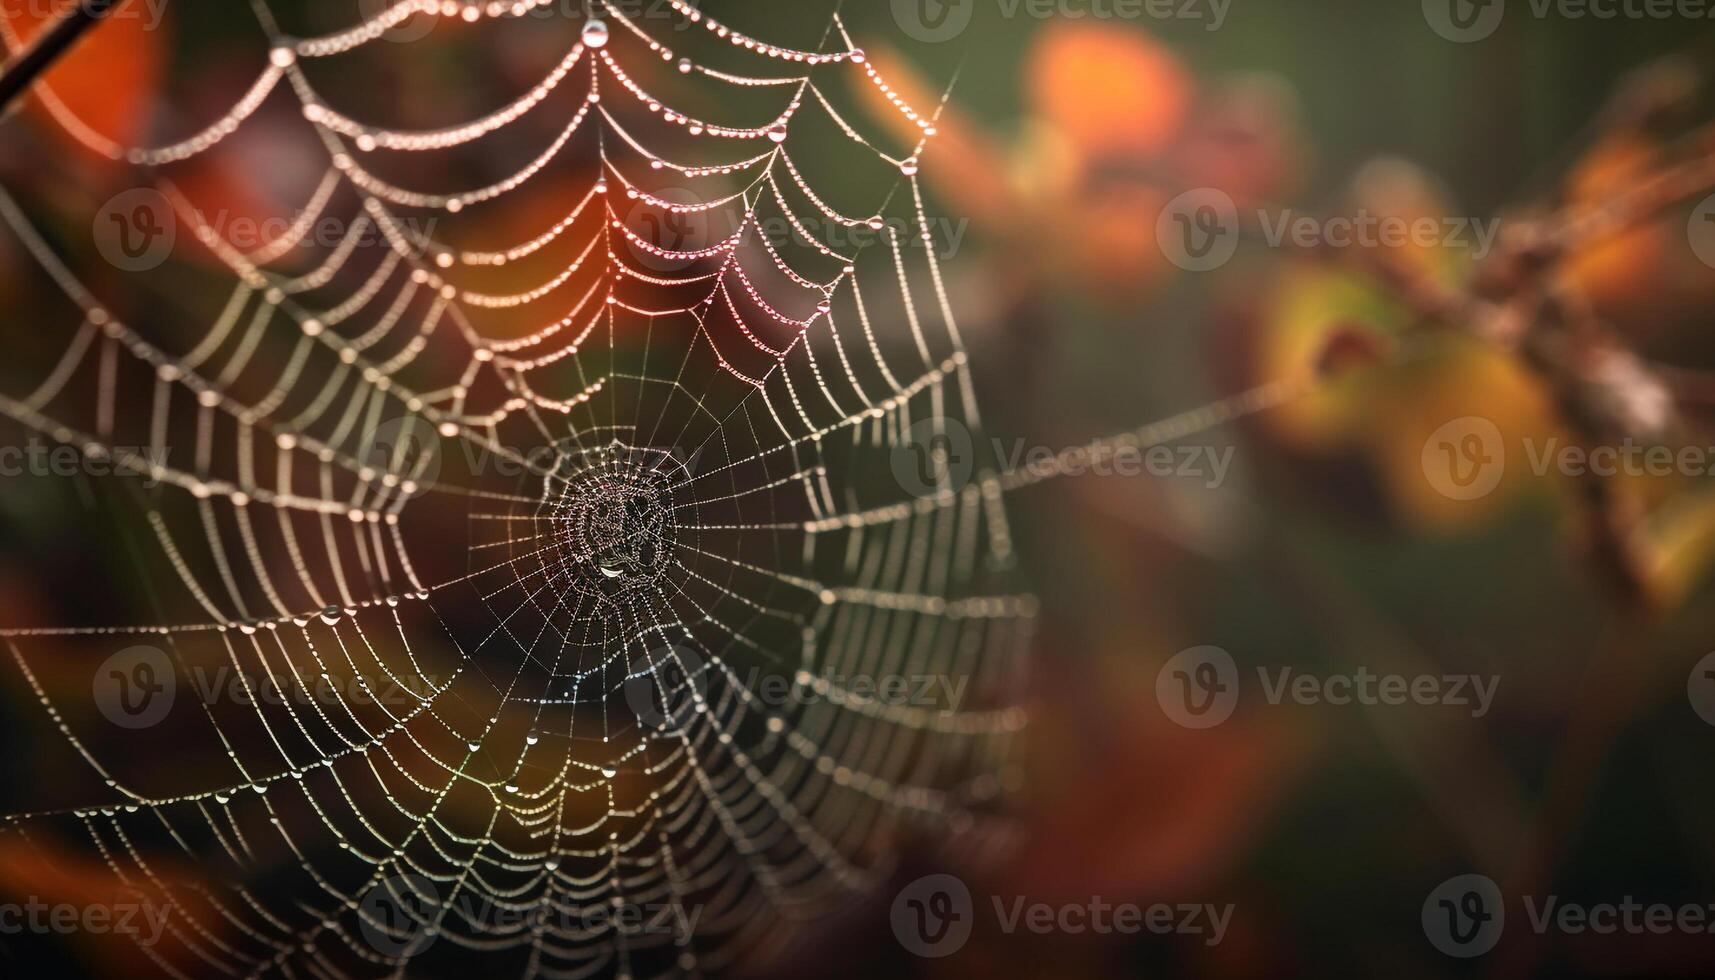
(1603, 391)
(48, 46)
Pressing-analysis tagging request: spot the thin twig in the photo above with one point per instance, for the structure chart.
(48, 45)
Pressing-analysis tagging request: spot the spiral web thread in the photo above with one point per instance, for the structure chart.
(676, 483)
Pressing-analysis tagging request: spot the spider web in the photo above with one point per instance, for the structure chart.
(625, 728)
(595, 545)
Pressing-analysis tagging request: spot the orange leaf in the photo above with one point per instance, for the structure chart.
(1111, 92)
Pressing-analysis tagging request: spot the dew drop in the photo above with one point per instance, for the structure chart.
(595, 33)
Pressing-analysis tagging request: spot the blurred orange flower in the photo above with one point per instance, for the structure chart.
(1115, 127)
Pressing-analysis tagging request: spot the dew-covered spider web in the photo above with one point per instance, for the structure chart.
(562, 489)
